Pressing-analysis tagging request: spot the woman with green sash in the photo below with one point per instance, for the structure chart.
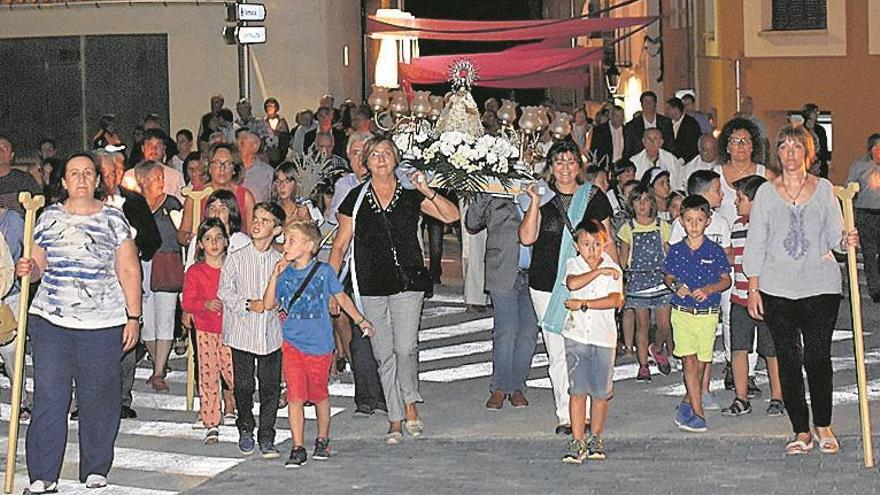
(547, 226)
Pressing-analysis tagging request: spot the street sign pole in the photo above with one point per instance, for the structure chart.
(244, 67)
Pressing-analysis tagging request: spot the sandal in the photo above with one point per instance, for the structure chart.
(158, 383)
(798, 447)
(393, 437)
(41, 486)
(414, 427)
(828, 445)
(212, 437)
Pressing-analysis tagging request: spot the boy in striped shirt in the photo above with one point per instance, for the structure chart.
(743, 327)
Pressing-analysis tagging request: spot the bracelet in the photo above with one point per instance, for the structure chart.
(432, 198)
(753, 290)
(359, 322)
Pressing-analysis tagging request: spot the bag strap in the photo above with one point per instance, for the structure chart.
(564, 212)
(387, 226)
(302, 286)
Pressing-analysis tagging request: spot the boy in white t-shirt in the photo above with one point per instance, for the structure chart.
(590, 332)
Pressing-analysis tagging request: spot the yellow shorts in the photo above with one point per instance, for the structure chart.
(694, 334)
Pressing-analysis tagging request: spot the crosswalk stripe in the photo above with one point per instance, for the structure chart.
(337, 389)
(169, 402)
(152, 461)
(469, 371)
(74, 487)
(466, 328)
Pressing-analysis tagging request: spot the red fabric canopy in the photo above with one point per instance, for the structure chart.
(518, 67)
(442, 29)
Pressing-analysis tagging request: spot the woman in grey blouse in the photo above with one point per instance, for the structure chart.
(794, 282)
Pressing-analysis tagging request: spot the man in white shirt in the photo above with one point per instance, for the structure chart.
(655, 156)
(258, 175)
(706, 160)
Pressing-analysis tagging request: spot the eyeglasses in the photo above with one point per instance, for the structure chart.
(282, 182)
(385, 155)
(740, 141)
(223, 165)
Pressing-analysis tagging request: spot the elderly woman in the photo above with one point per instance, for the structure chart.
(383, 219)
(166, 272)
(85, 314)
(548, 228)
(224, 169)
(794, 283)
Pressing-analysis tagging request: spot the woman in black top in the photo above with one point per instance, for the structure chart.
(542, 228)
(382, 217)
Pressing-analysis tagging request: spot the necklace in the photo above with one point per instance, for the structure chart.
(796, 196)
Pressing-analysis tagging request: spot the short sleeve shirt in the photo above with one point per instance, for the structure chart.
(374, 261)
(625, 233)
(80, 289)
(545, 251)
(696, 269)
(308, 326)
(13, 183)
(594, 326)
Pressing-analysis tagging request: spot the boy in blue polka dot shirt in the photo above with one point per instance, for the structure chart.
(697, 271)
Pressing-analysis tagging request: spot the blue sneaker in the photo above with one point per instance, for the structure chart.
(694, 424)
(683, 414)
(246, 443)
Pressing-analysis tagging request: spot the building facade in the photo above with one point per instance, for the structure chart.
(67, 63)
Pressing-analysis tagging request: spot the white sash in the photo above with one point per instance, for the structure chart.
(351, 257)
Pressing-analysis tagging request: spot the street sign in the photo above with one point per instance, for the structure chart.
(249, 35)
(246, 12)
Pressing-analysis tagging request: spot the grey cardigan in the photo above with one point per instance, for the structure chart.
(789, 247)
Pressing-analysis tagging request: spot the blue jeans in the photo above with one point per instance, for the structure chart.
(514, 336)
(90, 358)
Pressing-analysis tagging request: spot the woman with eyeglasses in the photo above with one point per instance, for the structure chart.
(382, 218)
(545, 228)
(740, 151)
(224, 169)
(284, 194)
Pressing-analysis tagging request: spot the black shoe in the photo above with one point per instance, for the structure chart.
(753, 391)
(875, 297)
(74, 415)
(381, 407)
(298, 458)
(322, 449)
(728, 377)
(128, 413)
(363, 411)
(563, 430)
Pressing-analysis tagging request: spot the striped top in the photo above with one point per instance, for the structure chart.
(244, 276)
(738, 233)
(79, 288)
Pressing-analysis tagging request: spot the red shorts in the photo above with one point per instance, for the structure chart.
(306, 375)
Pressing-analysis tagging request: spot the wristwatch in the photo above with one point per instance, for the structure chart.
(139, 319)
(584, 306)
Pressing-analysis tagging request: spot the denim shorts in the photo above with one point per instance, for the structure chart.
(742, 332)
(590, 369)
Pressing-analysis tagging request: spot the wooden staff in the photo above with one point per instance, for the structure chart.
(846, 194)
(31, 205)
(196, 197)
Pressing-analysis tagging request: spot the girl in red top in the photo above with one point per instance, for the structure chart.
(200, 298)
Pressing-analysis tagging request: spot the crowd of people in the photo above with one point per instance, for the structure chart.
(641, 240)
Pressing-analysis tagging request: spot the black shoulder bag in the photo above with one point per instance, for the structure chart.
(411, 278)
(282, 311)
